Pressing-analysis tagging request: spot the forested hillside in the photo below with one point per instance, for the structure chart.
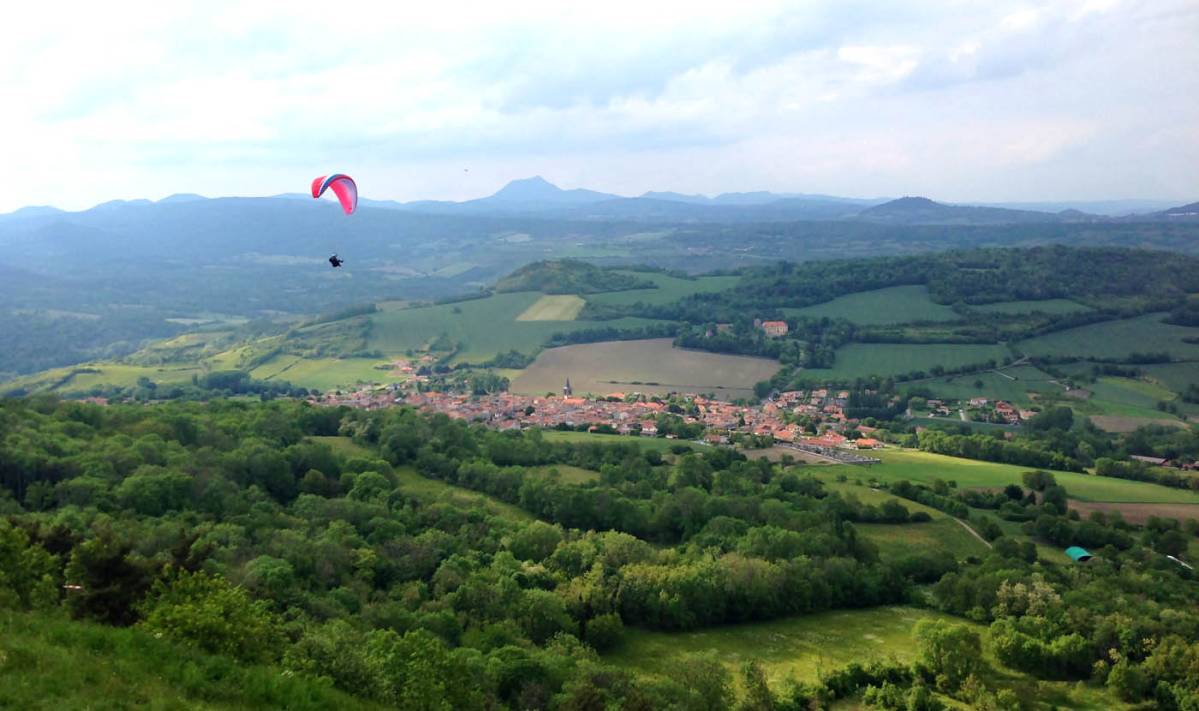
(315, 540)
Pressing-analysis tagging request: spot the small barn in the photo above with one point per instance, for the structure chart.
(1078, 555)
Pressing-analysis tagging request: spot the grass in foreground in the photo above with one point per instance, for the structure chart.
(50, 662)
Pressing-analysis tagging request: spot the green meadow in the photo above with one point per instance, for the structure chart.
(1117, 339)
(669, 289)
(1045, 306)
(1011, 384)
(918, 466)
(799, 647)
(324, 373)
(896, 304)
(859, 360)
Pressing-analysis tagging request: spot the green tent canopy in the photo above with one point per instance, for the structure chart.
(1078, 555)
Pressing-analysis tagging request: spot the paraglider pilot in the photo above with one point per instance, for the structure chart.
(336, 261)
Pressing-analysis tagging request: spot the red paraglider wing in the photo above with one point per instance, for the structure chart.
(343, 186)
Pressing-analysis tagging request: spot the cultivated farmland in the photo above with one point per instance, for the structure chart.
(483, 327)
(650, 366)
(553, 308)
(897, 304)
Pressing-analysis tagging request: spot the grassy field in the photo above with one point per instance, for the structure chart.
(803, 647)
(669, 289)
(1175, 376)
(483, 327)
(1130, 392)
(798, 646)
(553, 308)
(324, 373)
(1046, 306)
(649, 366)
(431, 490)
(896, 304)
(106, 374)
(1124, 423)
(858, 360)
(919, 466)
(571, 475)
(1011, 384)
(1117, 339)
(944, 534)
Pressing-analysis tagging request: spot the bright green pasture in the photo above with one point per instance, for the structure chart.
(669, 289)
(108, 374)
(483, 327)
(918, 466)
(571, 475)
(1117, 339)
(858, 360)
(896, 304)
(799, 647)
(324, 373)
(894, 540)
(898, 539)
(1130, 392)
(1046, 306)
(1011, 384)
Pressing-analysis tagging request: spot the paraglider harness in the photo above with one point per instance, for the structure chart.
(336, 261)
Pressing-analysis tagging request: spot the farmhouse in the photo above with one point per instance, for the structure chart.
(775, 329)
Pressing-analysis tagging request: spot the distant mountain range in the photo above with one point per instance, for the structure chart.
(537, 197)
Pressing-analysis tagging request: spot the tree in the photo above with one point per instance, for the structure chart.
(950, 651)
(207, 612)
(604, 632)
(535, 541)
(707, 680)
(27, 571)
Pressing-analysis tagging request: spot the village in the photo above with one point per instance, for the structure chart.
(813, 419)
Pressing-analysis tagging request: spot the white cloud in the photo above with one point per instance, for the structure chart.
(962, 100)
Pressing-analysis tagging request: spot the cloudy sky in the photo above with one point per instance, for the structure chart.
(957, 100)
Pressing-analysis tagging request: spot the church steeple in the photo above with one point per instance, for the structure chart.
(566, 390)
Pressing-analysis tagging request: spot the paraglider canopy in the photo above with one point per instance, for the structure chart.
(343, 187)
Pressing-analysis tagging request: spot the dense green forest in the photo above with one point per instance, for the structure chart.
(281, 535)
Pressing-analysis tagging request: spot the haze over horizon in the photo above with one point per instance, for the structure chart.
(961, 102)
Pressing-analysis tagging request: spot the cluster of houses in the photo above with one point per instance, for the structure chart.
(980, 409)
(822, 411)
